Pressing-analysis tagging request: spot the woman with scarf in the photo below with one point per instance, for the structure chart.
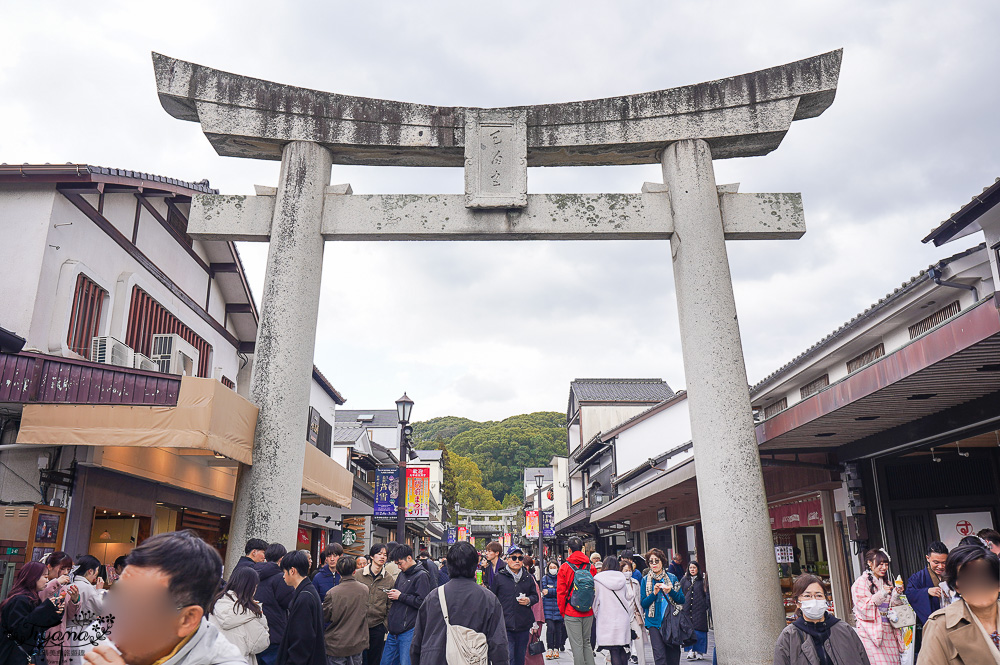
(873, 595)
(696, 592)
(659, 593)
(817, 637)
(24, 616)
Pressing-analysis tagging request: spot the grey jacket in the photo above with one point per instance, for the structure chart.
(207, 647)
(844, 647)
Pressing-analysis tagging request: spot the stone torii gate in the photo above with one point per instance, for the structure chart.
(683, 129)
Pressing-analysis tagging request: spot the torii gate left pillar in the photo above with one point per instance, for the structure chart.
(268, 492)
(683, 129)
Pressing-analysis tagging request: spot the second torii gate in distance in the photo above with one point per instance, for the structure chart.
(682, 129)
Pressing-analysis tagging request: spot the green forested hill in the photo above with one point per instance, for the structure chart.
(498, 451)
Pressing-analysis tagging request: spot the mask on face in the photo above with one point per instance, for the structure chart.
(813, 609)
(553, 571)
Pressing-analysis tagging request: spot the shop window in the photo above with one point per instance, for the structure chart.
(776, 408)
(85, 318)
(814, 387)
(147, 317)
(935, 319)
(869, 356)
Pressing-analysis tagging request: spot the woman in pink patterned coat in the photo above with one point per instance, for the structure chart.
(873, 595)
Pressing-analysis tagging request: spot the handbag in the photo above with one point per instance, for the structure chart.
(676, 628)
(902, 616)
(536, 648)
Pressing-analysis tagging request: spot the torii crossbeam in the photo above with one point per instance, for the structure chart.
(680, 128)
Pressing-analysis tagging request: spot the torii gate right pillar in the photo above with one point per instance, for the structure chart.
(730, 483)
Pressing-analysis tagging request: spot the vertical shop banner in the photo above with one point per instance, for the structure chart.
(452, 535)
(463, 534)
(507, 538)
(386, 492)
(548, 524)
(418, 492)
(531, 523)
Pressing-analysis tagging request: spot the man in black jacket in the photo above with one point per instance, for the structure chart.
(302, 643)
(469, 605)
(515, 589)
(254, 550)
(407, 594)
(274, 597)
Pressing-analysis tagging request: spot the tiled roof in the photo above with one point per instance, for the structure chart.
(959, 224)
(346, 433)
(381, 418)
(531, 472)
(620, 390)
(890, 298)
(82, 170)
(327, 386)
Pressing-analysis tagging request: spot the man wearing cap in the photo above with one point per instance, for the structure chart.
(516, 591)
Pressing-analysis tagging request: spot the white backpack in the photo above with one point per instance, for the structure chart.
(464, 646)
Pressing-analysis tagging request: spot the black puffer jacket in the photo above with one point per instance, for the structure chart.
(274, 597)
(696, 601)
(22, 622)
(518, 617)
(413, 584)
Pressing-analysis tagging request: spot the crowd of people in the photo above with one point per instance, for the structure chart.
(169, 605)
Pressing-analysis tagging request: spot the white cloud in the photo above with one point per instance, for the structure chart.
(489, 330)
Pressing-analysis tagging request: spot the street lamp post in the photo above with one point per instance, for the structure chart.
(539, 479)
(404, 407)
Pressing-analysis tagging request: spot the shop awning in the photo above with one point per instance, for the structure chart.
(655, 492)
(324, 481)
(208, 416)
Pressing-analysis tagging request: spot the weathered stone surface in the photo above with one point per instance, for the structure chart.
(741, 116)
(730, 483)
(496, 159)
(644, 216)
(268, 493)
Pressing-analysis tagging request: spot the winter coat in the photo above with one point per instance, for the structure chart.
(68, 640)
(549, 601)
(302, 643)
(490, 573)
(612, 600)
(676, 569)
(433, 572)
(324, 580)
(469, 605)
(346, 616)
(697, 601)
(247, 631)
(443, 575)
(377, 585)
(274, 597)
(924, 604)
(24, 621)
(951, 637)
(413, 584)
(843, 647)
(658, 601)
(244, 561)
(518, 617)
(564, 584)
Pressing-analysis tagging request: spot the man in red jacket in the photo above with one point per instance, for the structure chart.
(578, 624)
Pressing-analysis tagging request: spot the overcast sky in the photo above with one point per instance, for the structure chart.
(489, 330)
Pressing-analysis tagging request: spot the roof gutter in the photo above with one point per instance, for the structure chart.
(935, 274)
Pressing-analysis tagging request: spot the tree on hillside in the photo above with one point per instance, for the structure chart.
(470, 492)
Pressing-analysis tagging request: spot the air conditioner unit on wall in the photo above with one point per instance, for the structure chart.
(142, 362)
(110, 351)
(174, 355)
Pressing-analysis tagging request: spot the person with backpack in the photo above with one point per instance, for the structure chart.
(461, 623)
(575, 596)
(555, 628)
(657, 590)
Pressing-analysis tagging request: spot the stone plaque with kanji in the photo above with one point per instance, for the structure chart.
(496, 158)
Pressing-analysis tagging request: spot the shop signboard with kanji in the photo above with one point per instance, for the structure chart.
(386, 491)
(418, 492)
(548, 524)
(531, 523)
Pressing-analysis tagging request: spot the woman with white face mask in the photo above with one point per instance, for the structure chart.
(817, 637)
(555, 627)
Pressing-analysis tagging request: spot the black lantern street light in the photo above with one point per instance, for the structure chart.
(404, 406)
(539, 479)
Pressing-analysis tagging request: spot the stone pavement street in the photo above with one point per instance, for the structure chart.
(602, 659)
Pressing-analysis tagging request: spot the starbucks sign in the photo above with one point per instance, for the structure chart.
(348, 537)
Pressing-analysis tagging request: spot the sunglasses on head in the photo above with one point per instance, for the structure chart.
(514, 557)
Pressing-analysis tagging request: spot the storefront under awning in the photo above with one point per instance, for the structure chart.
(208, 417)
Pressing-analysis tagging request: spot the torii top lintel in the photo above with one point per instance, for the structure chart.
(741, 116)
